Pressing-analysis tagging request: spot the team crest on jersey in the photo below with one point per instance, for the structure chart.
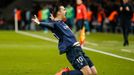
(65, 27)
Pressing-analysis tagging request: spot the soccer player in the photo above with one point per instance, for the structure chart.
(69, 45)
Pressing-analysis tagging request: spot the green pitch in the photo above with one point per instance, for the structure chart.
(25, 55)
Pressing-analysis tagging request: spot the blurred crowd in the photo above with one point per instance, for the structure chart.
(99, 16)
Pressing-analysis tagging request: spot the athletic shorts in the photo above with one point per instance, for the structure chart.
(77, 58)
(79, 24)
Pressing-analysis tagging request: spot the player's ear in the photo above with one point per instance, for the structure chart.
(58, 12)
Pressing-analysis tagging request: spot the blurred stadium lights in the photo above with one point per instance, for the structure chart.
(45, 0)
(4, 3)
(7, 6)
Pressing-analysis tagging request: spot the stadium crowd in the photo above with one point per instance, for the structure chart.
(101, 15)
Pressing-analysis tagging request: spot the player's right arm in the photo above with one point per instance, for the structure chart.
(44, 24)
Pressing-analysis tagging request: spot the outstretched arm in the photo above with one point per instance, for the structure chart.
(49, 25)
(36, 20)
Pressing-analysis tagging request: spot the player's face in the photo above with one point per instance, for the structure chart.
(79, 1)
(62, 11)
(125, 1)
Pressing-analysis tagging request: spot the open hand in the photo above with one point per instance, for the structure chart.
(35, 19)
(127, 8)
(51, 17)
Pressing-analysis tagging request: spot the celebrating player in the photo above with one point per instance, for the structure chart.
(69, 45)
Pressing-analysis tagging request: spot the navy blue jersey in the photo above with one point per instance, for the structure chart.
(63, 33)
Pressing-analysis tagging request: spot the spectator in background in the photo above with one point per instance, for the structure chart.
(126, 12)
(113, 20)
(43, 16)
(132, 24)
(70, 16)
(28, 19)
(100, 18)
(1, 21)
(81, 15)
(23, 22)
(40, 15)
(19, 17)
(89, 18)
